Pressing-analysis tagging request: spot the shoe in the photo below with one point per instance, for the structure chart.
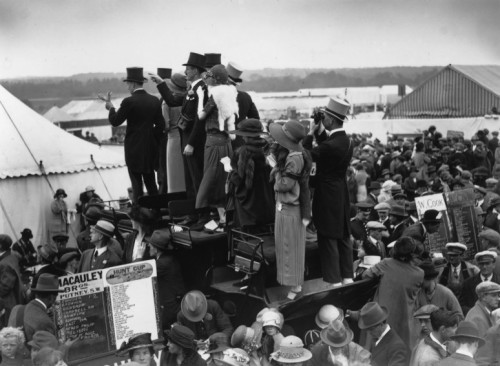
(329, 286)
(294, 293)
(200, 224)
(347, 281)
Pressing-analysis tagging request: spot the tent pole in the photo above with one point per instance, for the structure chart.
(8, 220)
(100, 176)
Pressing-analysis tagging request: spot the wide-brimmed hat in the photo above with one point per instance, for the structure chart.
(249, 127)
(177, 83)
(291, 350)
(336, 334)
(371, 314)
(47, 283)
(60, 235)
(89, 189)
(42, 339)
(217, 342)
(164, 73)
(218, 73)
(159, 239)
(326, 314)
(195, 60)
(432, 216)
(288, 135)
(235, 357)
(242, 335)
(181, 336)
(27, 232)
(212, 59)
(105, 228)
(60, 191)
(69, 256)
(369, 261)
(337, 107)
(234, 72)
(136, 341)
(430, 270)
(135, 75)
(398, 210)
(468, 329)
(194, 306)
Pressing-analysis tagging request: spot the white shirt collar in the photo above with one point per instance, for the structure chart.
(464, 352)
(137, 89)
(387, 329)
(41, 302)
(100, 251)
(459, 267)
(435, 340)
(193, 84)
(329, 133)
(488, 278)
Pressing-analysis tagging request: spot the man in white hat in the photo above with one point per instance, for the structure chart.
(331, 199)
(488, 294)
(373, 244)
(457, 270)
(99, 257)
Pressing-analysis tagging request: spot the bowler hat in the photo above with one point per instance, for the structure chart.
(326, 314)
(291, 350)
(181, 336)
(337, 107)
(177, 83)
(105, 228)
(336, 334)
(135, 341)
(47, 283)
(135, 75)
(217, 342)
(371, 314)
(164, 73)
(430, 270)
(468, 329)
(27, 232)
(194, 306)
(432, 216)
(159, 239)
(249, 127)
(60, 191)
(92, 214)
(288, 135)
(195, 60)
(234, 72)
(212, 59)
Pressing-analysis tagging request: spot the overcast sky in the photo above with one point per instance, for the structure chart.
(64, 37)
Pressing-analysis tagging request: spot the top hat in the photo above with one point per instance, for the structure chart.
(136, 341)
(336, 334)
(177, 83)
(234, 357)
(212, 59)
(105, 228)
(159, 239)
(195, 60)
(291, 351)
(371, 314)
(234, 72)
(60, 191)
(27, 232)
(288, 135)
(468, 329)
(181, 336)
(217, 342)
(47, 283)
(338, 108)
(134, 75)
(218, 73)
(432, 216)
(194, 306)
(164, 73)
(249, 127)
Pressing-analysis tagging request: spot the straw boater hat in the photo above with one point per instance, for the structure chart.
(177, 83)
(105, 228)
(336, 334)
(234, 72)
(195, 60)
(249, 127)
(291, 350)
(338, 108)
(136, 341)
(194, 306)
(164, 73)
(135, 75)
(288, 135)
(47, 283)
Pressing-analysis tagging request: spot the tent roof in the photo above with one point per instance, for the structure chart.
(488, 76)
(28, 138)
(56, 114)
(82, 110)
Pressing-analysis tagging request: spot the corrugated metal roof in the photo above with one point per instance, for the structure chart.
(487, 76)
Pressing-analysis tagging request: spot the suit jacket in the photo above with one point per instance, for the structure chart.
(480, 316)
(489, 354)
(215, 321)
(457, 359)
(145, 125)
(105, 260)
(416, 231)
(26, 251)
(358, 229)
(52, 269)
(397, 232)
(390, 351)
(469, 296)
(36, 318)
(171, 287)
(332, 156)
(10, 259)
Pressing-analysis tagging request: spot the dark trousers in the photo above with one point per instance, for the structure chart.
(193, 167)
(137, 180)
(336, 258)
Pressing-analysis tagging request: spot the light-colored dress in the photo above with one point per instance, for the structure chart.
(57, 219)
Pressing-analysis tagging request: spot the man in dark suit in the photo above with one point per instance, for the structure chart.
(25, 249)
(99, 257)
(468, 342)
(397, 219)
(6, 256)
(387, 349)
(428, 225)
(35, 313)
(331, 197)
(145, 125)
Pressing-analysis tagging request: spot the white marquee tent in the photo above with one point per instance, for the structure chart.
(36, 158)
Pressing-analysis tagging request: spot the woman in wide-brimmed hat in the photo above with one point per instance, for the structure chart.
(291, 351)
(291, 175)
(58, 218)
(139, 349)
(181, 348)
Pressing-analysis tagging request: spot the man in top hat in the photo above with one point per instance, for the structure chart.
(488, 296)
(100, 257)
(332, 157)
(6, 256)
(387, 348)
(24, 249)
(469, 340)
(397, 221)
(429, 224)
(373, 244)
(35, 313)
(204, 317)
(170, 282)
(145, 126)
(434, 293)
(486, 262)
(457, 270)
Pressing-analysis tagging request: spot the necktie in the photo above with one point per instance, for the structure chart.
(455, 272)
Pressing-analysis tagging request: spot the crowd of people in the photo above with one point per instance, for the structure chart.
(353, 195)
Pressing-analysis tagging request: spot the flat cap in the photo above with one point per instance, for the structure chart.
(458, 248)
(491, 181)
(375, 225)
(425, 311)
(487, 287)
(485, 255)
(382, 206)
(364, 205)
(491, 235)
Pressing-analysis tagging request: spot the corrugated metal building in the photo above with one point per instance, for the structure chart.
(454, 92)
